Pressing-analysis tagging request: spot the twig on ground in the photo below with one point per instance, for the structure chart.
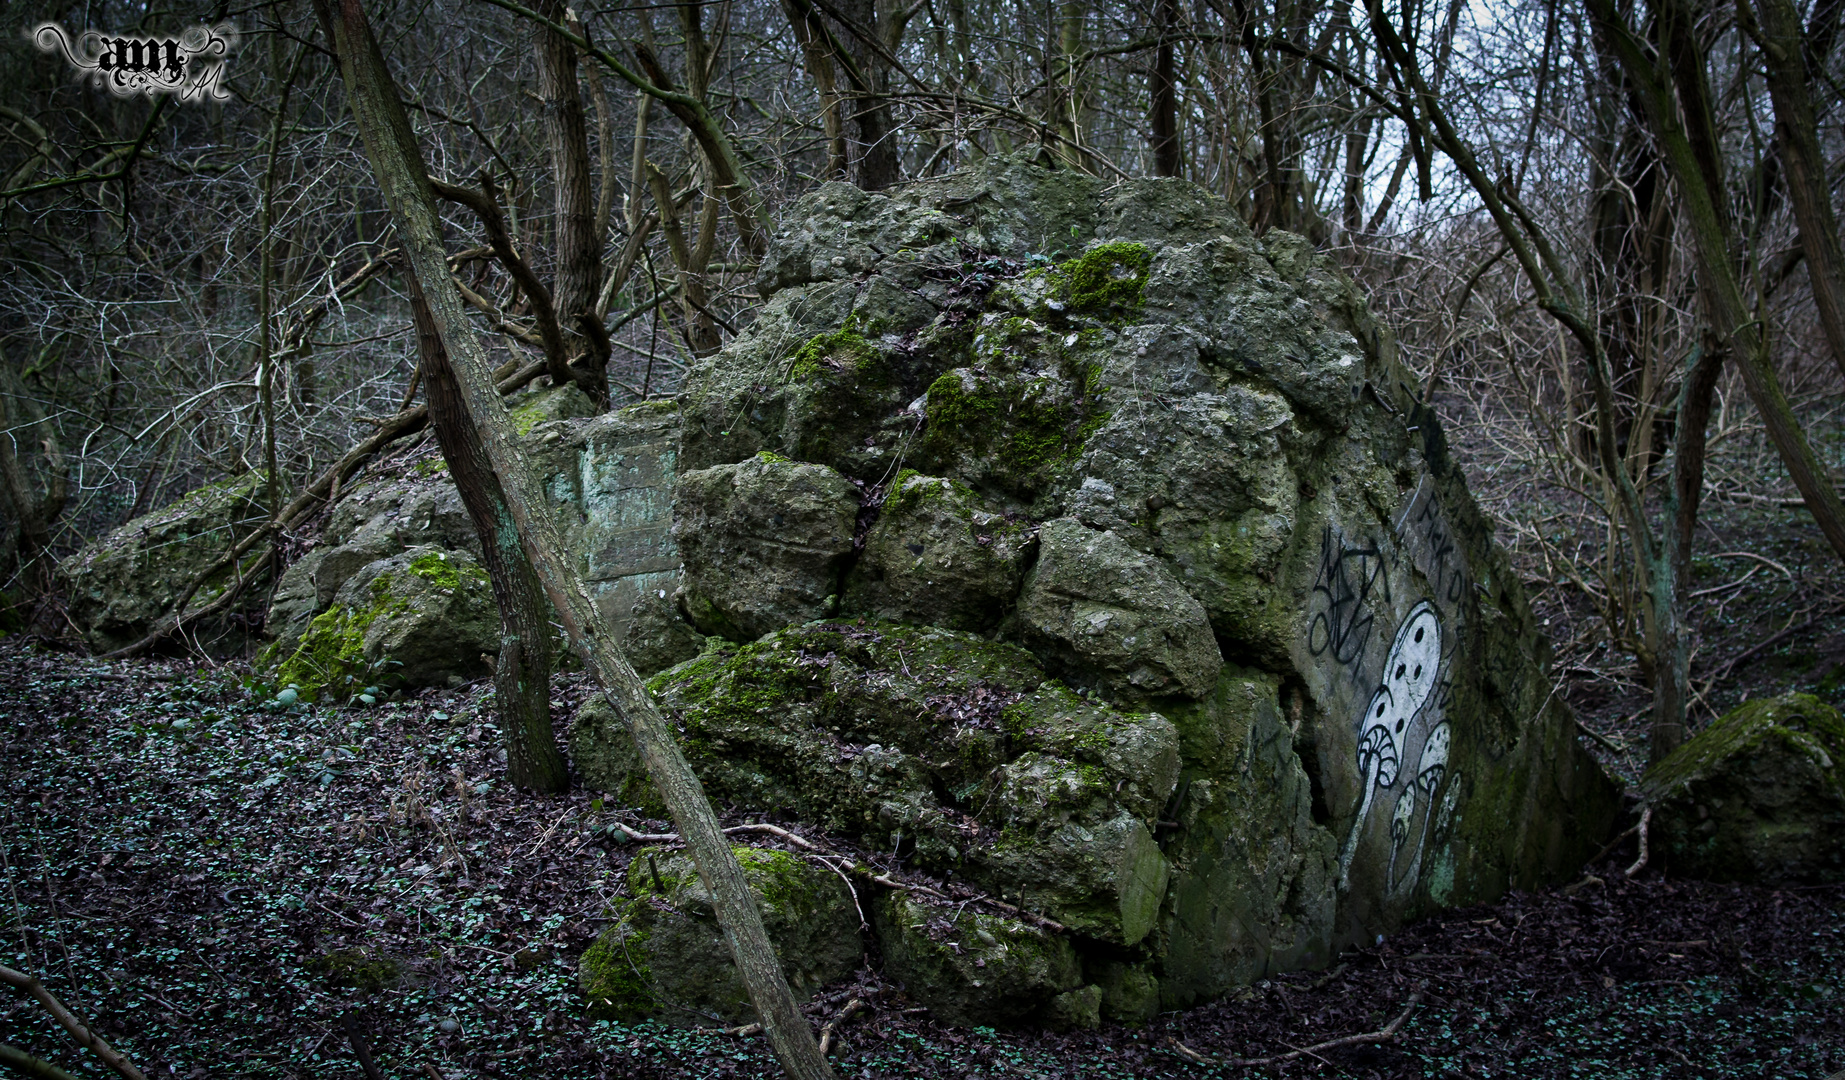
(826, 1033)
(84, 1036)
(673, 837)
(1613, 747)
(350, 1022)
(1383, 1034)
(1646, 818)
(552, 829)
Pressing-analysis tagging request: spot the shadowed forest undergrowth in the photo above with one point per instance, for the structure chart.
(219, 884)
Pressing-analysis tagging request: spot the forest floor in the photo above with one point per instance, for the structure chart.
(221, 884)
(230, 888)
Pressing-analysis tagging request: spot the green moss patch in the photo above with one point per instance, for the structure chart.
(355, 969)
(613, 973)
(1010, 430)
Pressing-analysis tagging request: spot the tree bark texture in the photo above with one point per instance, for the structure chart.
(578, 245)
(401, 174)
(1803, 165)
(522, 678)
(1163, 124)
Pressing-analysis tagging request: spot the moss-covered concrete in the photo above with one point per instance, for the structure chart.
(1757, 797)
(664, 954)
(409, 620)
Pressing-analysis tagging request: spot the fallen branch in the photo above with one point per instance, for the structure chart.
(863, 871)
(359, 1046)
(1383, 1034)
(83, 1035)
(18, 1059)
(1029, 916)
(1613, 747)
(673, 837)
(1646, 818)
(326, 488)
(852, 1008)
(1763, 646)
(1615, 843)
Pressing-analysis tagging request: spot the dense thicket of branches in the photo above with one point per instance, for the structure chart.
(1589, 223)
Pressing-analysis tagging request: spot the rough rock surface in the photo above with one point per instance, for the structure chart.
(764, 541)
(603, 752)
(1228, 523)
(1111, 614)
(119, 586)
(971, 967)
(415, 619)
(611, 481)
(954, 750)
(1757, 797)
(938, 556)
(375, 520)
(665, 955)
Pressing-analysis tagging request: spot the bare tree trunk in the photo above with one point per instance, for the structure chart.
(522, 679)
(878, 166)
(817, 54)
(701, 329)
(1803, 164)
(1669, 80)
(401, 174)
(1164, 119)
(579, 246)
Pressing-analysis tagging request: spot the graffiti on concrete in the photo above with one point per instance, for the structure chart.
(1409, 679)
(1352, 581)
(1404, 737)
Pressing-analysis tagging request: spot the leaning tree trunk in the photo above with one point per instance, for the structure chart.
(399, 168)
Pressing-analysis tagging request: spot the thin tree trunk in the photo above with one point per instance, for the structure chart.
(522, 679)
(579, 246)
(1164, 119)
(701, 330)
(265, 344)
(877, 167)
(1672, 667)
(401, 174)
(817, 54)
(1803, 165)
